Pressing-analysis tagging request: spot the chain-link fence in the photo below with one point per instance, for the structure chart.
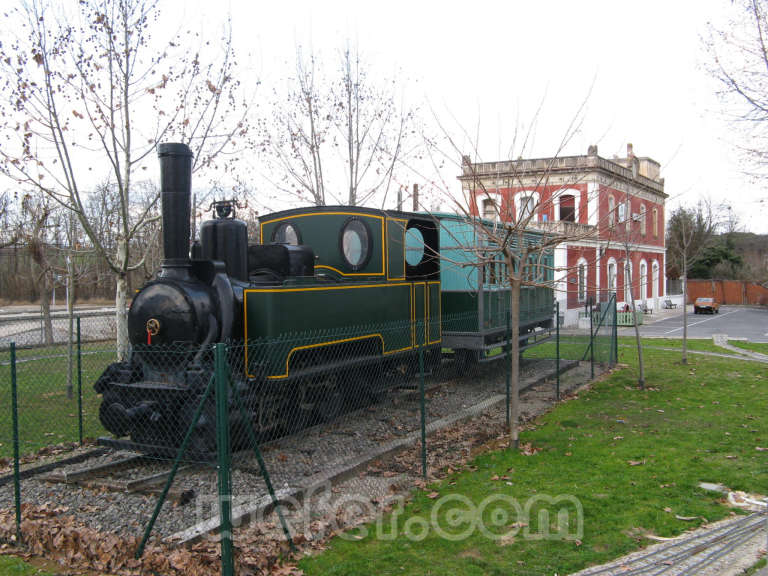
(293, 438)
(56, 401)
(35, 330)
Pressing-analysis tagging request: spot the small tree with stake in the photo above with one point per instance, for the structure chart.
(688, 233)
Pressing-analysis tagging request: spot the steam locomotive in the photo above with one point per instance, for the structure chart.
(364, 289)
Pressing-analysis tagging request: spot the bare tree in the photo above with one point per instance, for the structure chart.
(509, 241)
(504, 233)
(74, 87)
(739, 61)
(627, 241)
(36, 212)
(336, 130)
(688, 233)
(9, 233)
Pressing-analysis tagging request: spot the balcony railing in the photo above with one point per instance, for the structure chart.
(566, 228)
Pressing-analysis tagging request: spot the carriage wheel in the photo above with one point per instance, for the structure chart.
(329, 400)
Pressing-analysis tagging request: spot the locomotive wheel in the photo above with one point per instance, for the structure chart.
(329, 401)
(202, 444)
(466, 360)
(112, 414)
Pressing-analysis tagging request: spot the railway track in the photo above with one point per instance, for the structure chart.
(689, 555)
(128, 474)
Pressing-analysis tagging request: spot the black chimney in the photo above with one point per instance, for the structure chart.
(175, 193)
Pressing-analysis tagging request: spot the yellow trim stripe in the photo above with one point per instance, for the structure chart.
(348, 273)
(313, 289)
(317, 288)
(331, 342)
(403, 227)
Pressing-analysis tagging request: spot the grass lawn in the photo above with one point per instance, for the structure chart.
(11, 566)
(46, 415)
(761, 347)
(702, 345)
(632, 458)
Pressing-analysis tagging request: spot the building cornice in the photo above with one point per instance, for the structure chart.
(560, 171)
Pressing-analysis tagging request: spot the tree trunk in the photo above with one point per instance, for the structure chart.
(45, 306)
(121, 316)
(641, 376)
(514, 329)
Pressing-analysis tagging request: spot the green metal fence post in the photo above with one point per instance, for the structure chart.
(509, 369)
(615, 331)
(225, 460)
(15, 418)
(79, 385)
(423, 409)
(591, 343)
(557, 350)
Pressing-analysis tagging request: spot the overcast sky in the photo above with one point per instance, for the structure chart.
(639, 65)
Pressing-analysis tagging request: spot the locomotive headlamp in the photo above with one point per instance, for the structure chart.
(153, 328)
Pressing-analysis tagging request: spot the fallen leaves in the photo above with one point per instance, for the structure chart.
(50, 532)
(528, 449)
(635, 462)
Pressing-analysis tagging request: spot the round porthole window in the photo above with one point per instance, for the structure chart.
(414, 246)
(355, 243)
(286, 233)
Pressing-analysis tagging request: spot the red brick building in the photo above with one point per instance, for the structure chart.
(601, 205)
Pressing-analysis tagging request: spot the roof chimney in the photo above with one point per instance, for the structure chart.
(592, 150)
(630, 153)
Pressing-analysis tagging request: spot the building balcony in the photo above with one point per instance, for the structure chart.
(573, 230)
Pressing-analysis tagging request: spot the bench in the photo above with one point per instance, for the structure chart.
(668, 304)
(644, 308)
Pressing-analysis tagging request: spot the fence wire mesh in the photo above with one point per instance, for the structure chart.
(329, 424)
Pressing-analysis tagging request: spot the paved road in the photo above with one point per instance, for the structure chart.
(735, 321)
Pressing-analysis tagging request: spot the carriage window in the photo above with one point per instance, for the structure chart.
(286, 233)
(355, 243)
(414, 246)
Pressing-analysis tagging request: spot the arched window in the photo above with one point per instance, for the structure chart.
(656, 222)
(643, 280)
(642, 219)
(611, 211)
(582, 280)
(567, 208)
(489, 210)
(628, 282)
(526, 203)
(527, 206)
(626, 207)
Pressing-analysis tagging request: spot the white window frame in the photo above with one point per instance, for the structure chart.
(627, 276)
(643, 280)
(518, 203)
(576, 202)
(612, 275)
(488, 196)
(611, 211)
(582, 288)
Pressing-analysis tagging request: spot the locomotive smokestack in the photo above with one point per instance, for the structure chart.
(175, 193)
